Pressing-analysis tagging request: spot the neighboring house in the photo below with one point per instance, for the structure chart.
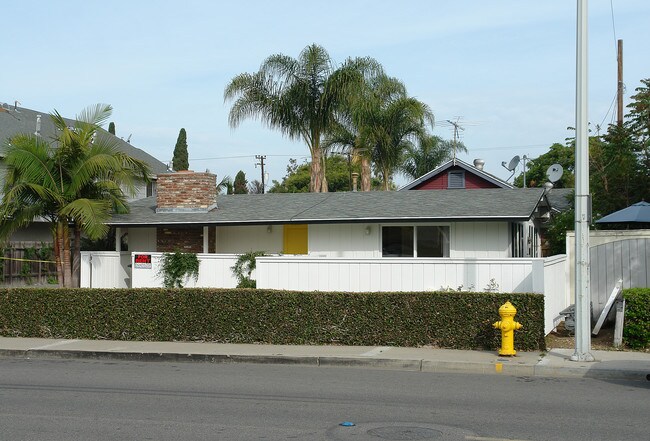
(457, 174)
(16, 120)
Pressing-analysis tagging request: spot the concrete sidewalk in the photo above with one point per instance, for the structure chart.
(555, 363)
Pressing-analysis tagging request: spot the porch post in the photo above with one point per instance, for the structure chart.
(118, 239)
(206, 230)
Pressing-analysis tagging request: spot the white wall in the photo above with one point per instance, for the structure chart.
(344, 240)
(242, 239)
(468, 239)
(214, 271)
(480, 240)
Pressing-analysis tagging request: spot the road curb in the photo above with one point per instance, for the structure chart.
(508, 367)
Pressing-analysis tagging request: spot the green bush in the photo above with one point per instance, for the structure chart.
(460, 320)
(636, 330)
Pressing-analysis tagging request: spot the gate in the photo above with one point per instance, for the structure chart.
(627, 259)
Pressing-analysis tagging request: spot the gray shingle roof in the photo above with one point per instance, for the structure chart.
(560, 198)
(389, 206)
(21, 120)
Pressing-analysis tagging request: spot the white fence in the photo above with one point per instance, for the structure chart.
(547, 276)
(303, 273)
(105, 269)
(214, 272)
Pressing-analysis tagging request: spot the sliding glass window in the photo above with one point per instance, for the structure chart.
(415, 241)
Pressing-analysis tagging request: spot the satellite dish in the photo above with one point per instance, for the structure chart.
(554, 172)
(514, 162)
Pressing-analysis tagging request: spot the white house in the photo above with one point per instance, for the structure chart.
(350, 241)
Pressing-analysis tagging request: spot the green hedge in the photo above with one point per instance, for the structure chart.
(636, 330)
(459, 320)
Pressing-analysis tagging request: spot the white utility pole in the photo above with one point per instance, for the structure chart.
(582, 201)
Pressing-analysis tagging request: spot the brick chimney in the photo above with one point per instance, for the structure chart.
(186, 192)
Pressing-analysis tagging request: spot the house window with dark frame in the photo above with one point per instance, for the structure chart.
(456, 179)
(412, 241)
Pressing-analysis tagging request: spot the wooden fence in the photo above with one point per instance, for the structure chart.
(27, 263)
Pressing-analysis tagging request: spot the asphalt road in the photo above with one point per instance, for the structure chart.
(109, 400)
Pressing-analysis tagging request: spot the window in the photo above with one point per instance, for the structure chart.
(411, 241)
(456, 179)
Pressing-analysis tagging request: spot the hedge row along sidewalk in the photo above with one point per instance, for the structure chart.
(636, 330)
(455, 320)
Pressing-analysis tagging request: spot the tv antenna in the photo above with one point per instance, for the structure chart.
(457, 127)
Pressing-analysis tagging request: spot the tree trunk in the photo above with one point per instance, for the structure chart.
(385, 179)
(316, 182)
(56, 235)
(67, 263)
(76, 257)
(323, 172)
(365, 174)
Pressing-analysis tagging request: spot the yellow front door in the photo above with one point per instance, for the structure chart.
(295, 239)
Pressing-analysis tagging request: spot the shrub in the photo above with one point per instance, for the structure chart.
(176, 267)
(459, 320)
(636, 330)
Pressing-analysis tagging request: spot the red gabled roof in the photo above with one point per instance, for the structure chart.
(437, 179)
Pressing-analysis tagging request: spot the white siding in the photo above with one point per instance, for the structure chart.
(344, 240)
(242, 239)
(480, 240)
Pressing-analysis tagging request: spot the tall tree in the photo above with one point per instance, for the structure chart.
(299, 97)
(428, 153)
(377, 122)
(75, 185)
(111, 128)
(557, 154)
(181, 159)
(297, 178)
(240, 185)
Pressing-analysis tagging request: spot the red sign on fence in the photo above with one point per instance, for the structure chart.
(142, 261)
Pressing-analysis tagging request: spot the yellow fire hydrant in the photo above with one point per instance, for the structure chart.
(507, 324)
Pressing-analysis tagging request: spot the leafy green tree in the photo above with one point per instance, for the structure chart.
(299, 97)
(298, 176)
(429, 152)
(111, 128)
(180, 160)
(240, 185)
(639, 117)
(536, 168)
(75, 185)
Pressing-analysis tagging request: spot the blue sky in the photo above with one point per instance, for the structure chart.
(506, 68)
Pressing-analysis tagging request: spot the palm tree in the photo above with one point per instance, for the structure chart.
(429, 152)
(378, 122)
(392, 123)
(299, 97)
(75, 183)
